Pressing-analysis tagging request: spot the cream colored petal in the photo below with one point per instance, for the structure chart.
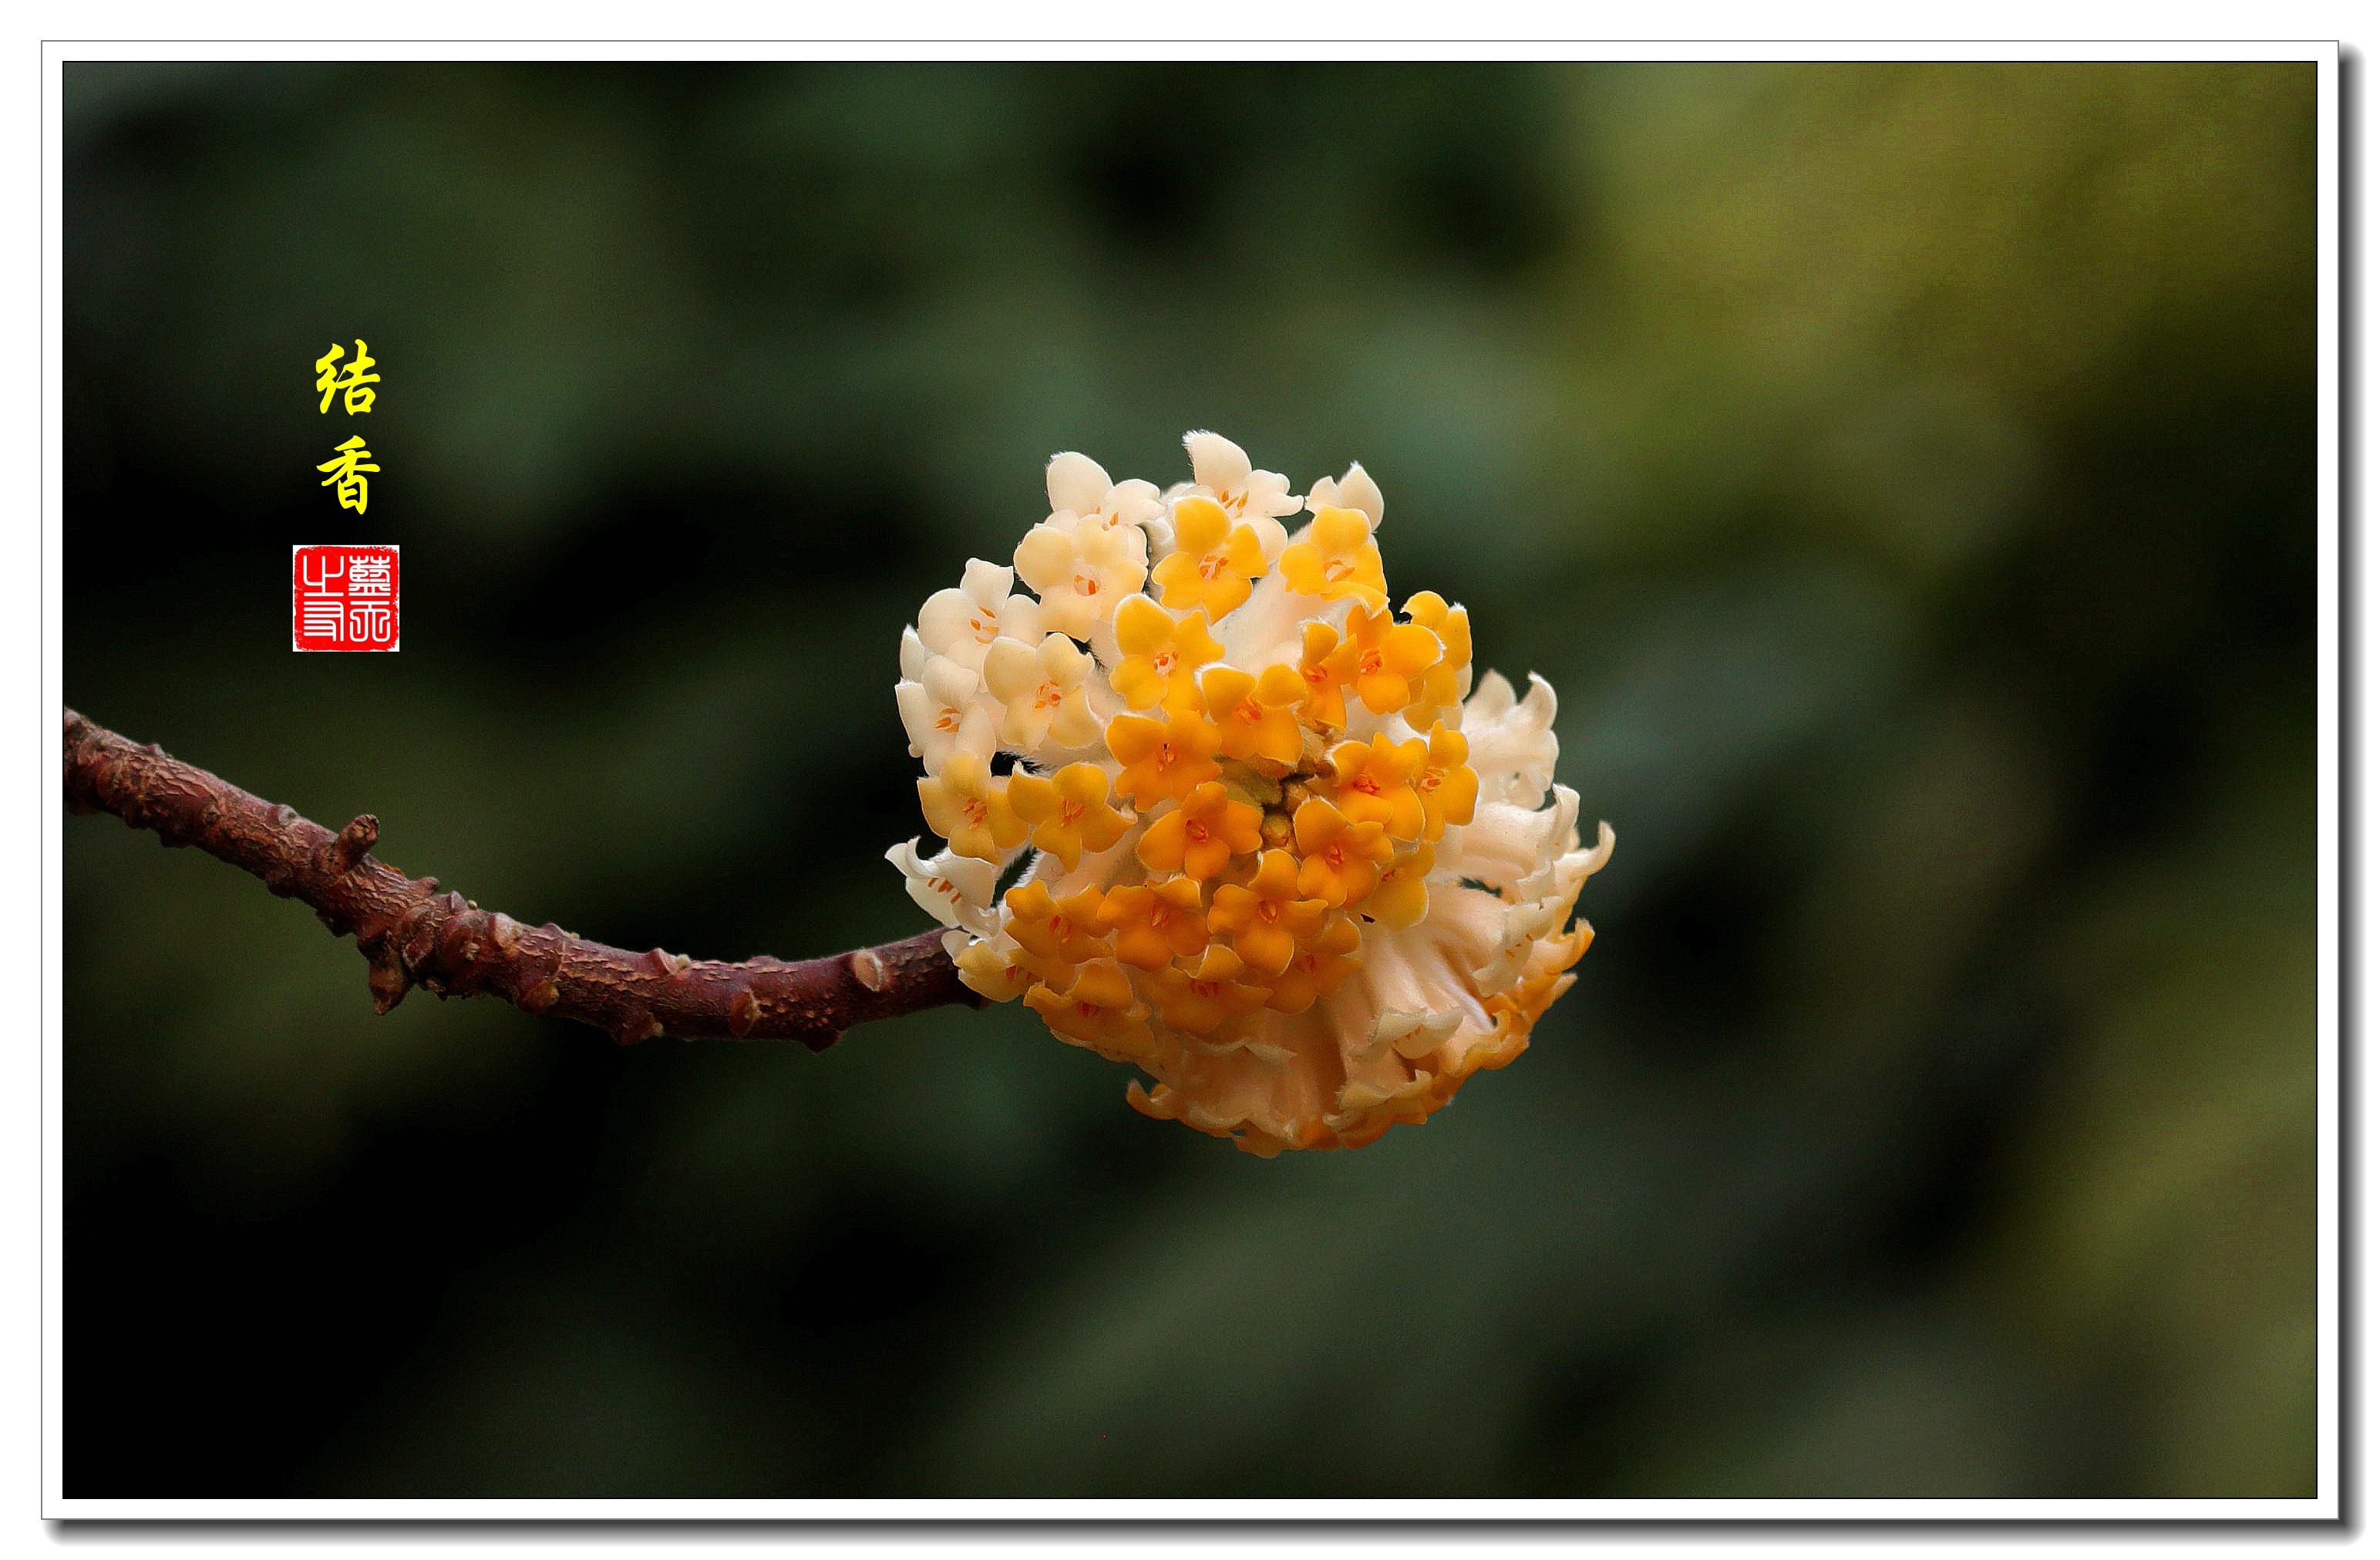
(1045, 559)
(1010, 669)
(944, 624)
(1216, 462)
(1513, 745)
(955, 890)
(1076, 482)
(986, 583)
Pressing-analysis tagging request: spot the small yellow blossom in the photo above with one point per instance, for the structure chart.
(1163, 761)
(967, 807)
(1340, 859)
(1373, 783)
(1098, 1010)
(1338, 558)
(1155, 924)
(1448, 785)
(1324, 674)
(1402, 897)
(1058, 934)
(1201, 1000)
(1161, 655)
(1199, 839)
(1255, 716)
(1266, 918)
(1381, 659)
(1214, 562)
(1448, 680)
(1068, 812)
(1082, 570)
(1320, 966)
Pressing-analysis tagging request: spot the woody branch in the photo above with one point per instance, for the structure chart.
(412, 934)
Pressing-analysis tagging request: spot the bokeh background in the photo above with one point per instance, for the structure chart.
(1906, 472)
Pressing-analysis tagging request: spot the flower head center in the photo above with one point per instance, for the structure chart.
(1212, 566)
(1049, 697)
(985, 625)
(1086, 585)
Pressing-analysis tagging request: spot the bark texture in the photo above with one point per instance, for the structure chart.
(411, 934)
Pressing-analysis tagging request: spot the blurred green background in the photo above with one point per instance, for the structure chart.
(1906, 473)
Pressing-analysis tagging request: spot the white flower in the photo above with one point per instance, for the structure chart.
(1079, 489)
(942, 713)
(962, 624)
(955, 890)
(1082, 569)
(1286, 867)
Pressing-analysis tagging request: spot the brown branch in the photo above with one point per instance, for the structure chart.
(414, 935)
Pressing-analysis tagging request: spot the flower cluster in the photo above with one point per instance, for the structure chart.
(1286, 858)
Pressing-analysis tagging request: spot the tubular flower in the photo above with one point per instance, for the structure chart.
(1213, 562)
(1284, 859)
(1159, 655)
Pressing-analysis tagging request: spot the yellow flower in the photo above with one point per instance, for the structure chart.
(1057, 933)
(1068, 812)
(1163, 761)
(1202, 1000)
(1382, 658)
(968, 808)
(1448, 785)
(1215, 563)
(1266, 918)
(1256, 717)
(1156, 924)
(1199, 839)
(1346, 881)
(1337, 560)
(1099, 1010)
(1448, 680)
(1161, 655)
(1339, 861)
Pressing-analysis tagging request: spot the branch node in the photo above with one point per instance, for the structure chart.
(743, 1013)
(388, 983)
(868, 966)
(540, 997)
(360, 835)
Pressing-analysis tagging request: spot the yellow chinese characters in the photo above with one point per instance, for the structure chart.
(332, 378)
